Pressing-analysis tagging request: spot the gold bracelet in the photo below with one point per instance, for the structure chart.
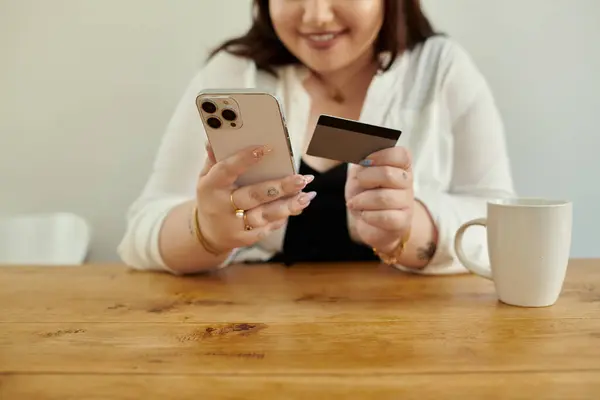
(394, 257)
(200, 236)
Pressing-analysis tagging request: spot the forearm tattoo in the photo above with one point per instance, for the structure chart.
(426, 253)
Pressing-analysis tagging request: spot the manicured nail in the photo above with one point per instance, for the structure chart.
(300, 181)
(261, 152)
(308, 178)
(306, 198)
(366, 163)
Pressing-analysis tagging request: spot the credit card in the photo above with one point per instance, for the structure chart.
(349, 141)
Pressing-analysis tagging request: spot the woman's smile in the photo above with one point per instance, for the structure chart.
(324, 40)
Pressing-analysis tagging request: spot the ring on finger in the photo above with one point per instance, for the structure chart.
(247, 226)
(238, 211)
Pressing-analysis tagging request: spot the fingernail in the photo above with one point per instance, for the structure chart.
(366, 163)
(261, 152)
(308, 178)
(299, 181)
(306, 198)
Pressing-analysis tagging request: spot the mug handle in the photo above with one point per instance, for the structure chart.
(484, 271)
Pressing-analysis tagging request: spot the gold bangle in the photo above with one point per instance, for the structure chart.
(200, 236)
(394, 257)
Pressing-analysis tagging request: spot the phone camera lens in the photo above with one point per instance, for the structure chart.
(214, 123)
(229, 115)
(209, 107)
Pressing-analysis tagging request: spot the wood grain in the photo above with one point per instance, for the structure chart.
(321, 331)
(352, 292)
(332, 348)
(494, 386)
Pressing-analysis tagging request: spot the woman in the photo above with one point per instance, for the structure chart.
(377, 61)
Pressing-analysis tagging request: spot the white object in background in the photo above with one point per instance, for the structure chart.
(529, 243)
(44, 239)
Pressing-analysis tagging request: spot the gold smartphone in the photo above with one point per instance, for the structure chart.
(236, 119)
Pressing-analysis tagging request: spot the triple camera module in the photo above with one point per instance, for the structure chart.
(227, 114)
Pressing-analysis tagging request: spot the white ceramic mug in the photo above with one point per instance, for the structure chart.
(529, 243)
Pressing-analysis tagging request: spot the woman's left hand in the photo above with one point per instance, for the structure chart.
(379, 194)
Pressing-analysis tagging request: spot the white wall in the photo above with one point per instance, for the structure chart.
(87, 87)
(542, 58)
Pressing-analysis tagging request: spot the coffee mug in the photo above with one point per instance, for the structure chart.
(529, 243)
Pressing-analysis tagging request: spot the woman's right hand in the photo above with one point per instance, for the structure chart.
(267, 205)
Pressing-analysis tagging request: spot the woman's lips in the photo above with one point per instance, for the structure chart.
(323, 40)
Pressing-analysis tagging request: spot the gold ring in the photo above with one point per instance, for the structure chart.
(247, 226)
(238, 211)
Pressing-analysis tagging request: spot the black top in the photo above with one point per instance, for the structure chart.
(320, 233)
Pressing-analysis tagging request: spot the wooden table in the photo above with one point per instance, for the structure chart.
(354, 331)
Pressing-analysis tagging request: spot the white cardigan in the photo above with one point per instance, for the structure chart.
(434, 94)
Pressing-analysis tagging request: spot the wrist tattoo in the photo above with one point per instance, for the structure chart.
(426, 253)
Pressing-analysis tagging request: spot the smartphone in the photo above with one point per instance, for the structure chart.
(236, 119)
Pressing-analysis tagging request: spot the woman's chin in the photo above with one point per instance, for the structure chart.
(326, 62)
(325, 65)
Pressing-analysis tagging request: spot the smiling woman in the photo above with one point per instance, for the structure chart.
(377, 61)
(289, 32)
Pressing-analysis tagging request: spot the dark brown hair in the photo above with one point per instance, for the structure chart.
(404, 26)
